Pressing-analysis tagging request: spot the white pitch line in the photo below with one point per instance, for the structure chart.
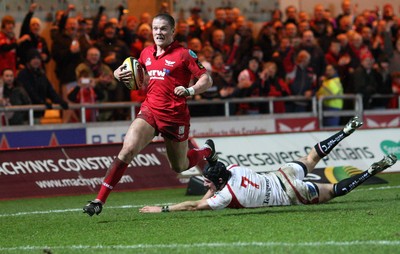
(199, 245)
(138, 206)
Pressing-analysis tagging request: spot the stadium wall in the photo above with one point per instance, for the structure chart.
(62, 169)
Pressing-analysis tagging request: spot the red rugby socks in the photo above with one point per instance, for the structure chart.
(114, 174)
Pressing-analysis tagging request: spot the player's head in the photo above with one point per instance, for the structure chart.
(163, 27)
(217, 174)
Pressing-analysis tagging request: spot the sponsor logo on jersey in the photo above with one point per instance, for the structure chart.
(158, 74)
(169, 63)
(148, 61)
(199, 64)
(192, 54)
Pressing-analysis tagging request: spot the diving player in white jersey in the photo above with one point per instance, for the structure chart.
(240, 187)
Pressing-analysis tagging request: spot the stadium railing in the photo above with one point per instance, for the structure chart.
(316, 109)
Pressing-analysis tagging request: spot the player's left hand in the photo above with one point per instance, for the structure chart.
(183, 91)
(151, 209)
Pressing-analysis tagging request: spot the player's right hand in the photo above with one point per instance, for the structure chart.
(123, 74)
(151, 209)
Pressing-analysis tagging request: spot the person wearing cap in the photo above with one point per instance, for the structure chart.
(236, 186)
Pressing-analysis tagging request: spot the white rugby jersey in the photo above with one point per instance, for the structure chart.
(246, 189)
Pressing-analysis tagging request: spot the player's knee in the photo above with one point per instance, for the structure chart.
(126, 154)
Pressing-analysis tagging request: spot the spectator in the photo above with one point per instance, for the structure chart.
(242, 48)
(182, 33)
(196, 23)
(367, 36)
(331, 86)
(102, 76)
(128, 31)
(143, 39)
(218, 43)
(303, 26)
(276, 16)
(267, 40)
(389, 16)
(301, 81)
(114, 52)
(269, 84)
(85, 25)
(347, 10)
(357, 48)
(98, 24)
(37, 85)
(345, 24)
(394, 56)
(322, 29)
(359, 24)
(292, 34)
(208, 53)
(244, 87)
(31, 26)
(336, 57)
(331, 20)
(222, 76)
(319, 23)
(68, 51)
(382, 67)
(284, 57)
(145, 18)
(222, 88)
(394, 102)
(303, 17)
(317, 61)
(86, 92)
(60, 21)
(219, 23)
(12, 93)
(381, 40)
(291, 15)
(366, 79)
(9, 44)
(195, 45)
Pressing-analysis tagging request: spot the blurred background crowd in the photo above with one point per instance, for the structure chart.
(294, 53)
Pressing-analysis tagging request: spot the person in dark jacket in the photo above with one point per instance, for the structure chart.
(12, 93)
(31, 26)
(36, 83)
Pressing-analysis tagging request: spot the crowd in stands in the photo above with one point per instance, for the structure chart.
(294, 53)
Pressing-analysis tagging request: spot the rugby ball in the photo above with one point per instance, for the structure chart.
(137, 79)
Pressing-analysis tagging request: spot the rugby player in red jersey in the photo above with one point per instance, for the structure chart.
(169, 67)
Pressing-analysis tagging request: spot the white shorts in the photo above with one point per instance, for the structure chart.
(291, 177)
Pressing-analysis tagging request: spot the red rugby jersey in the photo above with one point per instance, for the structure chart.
(173, 68)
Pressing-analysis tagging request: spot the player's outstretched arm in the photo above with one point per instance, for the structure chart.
(184, 206)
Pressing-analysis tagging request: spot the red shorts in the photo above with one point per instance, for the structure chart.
(169, 129)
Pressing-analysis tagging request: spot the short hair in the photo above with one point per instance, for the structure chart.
(35, 20)
(167, 17)
(7, 20)
(6, 69)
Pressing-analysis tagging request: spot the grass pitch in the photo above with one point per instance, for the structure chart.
(365, 221)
